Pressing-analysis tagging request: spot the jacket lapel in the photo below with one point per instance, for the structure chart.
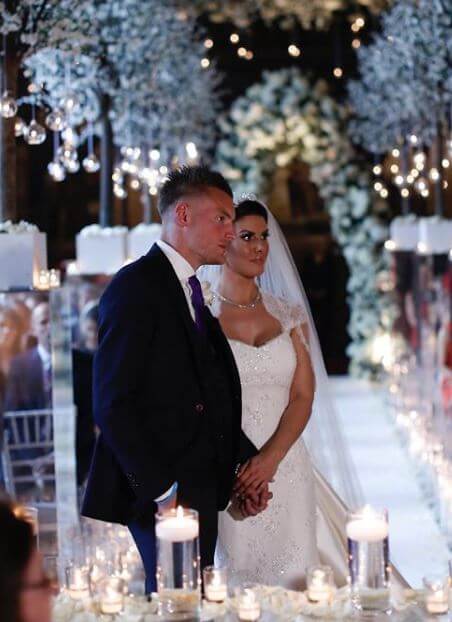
(173, 288)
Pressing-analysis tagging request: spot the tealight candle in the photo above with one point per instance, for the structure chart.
(215, 584)
(436, 595)
(111, 595)
(43, 281)
(77, 582)
(248, 606)
(54, 278)
(320, 584)
(178, 527)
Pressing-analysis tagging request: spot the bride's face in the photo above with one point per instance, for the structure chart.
(248, 251)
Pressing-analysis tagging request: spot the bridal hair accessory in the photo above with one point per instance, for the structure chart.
(248, 196)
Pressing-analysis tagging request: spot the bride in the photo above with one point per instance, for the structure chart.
(260, 303)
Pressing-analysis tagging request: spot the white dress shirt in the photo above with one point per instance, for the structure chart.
(182, 269)
(183, 272)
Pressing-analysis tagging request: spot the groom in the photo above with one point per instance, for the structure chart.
(167, 393)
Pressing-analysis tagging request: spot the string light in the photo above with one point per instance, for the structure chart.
(134, 184)
(294, 50)
(377, 169)
(395, 152)
(205, 62)
(153, 191)
(414, 139)
(234, 38)
(241, 52)
(445, 163)
(394, 169)
(434, 174)
(208, 43)
(249, 55)
(191, 150)
(445, 184)
(425, 193)
(384, 193)
(405, 193)
(154, 154)
(19, 127)
(356, 44)
(399, 180)
(338, 72)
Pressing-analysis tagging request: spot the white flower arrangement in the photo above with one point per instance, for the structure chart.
(292, 119)
(21, 227)
(97, 230)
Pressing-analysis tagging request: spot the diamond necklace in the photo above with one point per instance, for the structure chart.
(250, 305)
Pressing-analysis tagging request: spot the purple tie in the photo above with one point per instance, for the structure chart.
(197, 300)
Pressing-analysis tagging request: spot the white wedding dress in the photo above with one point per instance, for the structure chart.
(277, 546)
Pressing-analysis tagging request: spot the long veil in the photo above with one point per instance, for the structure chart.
(323, 435)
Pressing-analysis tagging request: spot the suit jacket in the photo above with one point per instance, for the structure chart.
(25, 384)
(166, 399)
(82, 381)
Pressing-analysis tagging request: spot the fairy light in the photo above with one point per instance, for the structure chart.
(395, 152)
(378, 186)
(445, 163)
(249, 55)
(434, 174)
(399, 180)
(394, 169)
(294, 50)
(377, 169)
(205, 62)
(445, 184)
(356, 44)
(384, 193)
(242, 52)
(405, 193)
(234, 38)
(208, 44)
(414, 139)
(338, 72)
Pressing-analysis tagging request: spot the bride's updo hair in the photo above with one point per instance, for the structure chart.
(250, 207)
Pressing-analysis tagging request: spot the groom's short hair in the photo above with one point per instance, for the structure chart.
(189, 180)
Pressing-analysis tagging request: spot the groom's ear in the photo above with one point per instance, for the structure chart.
(182, 213)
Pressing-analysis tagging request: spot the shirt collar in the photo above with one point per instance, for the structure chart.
(180, 265)
(44, 356)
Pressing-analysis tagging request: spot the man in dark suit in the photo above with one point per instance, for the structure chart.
(29, 381)
(167, 393)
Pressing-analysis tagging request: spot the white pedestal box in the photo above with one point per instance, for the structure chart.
(22, 256)
(404, 232)
(141, 238)
(435, 235)
(101, 250)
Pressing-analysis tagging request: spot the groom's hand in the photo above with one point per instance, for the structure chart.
(256, 473)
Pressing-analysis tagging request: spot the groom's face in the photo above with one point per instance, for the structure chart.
(210, 227)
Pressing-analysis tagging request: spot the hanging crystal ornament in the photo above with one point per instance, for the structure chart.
(19, 127)
(119, 191)
(66, 154)
(34, 134)
(72, 166)
(117, 176)
(8, 106)
(70, 136)
(91, 162)
(70, 102)
(56, 170)
(56, 120)
(55, 167)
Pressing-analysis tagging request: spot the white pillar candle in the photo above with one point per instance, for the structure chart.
(111, 602)
(216, 592)
(436, 595)
(178, 528)
(249, 609)
(367, 526)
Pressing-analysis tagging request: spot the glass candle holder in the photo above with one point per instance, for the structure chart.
(178, 564)
(77, 582)
(368, 550)
(54, 278)
(248, 603)
(320, 584)
(110, 593)
(436, 598)
(43, 280)
(215, 584)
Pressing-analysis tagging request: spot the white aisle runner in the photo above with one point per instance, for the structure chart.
(388, 479)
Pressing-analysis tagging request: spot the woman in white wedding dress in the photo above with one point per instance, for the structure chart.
(279, 362)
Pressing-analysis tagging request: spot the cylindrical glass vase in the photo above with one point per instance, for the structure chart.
(368, 550)
(178, 564)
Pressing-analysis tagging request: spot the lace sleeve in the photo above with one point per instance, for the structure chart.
(291, 316)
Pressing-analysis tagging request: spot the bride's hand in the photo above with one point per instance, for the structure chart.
(255, 473)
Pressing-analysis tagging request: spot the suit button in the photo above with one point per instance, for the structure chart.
(199, 408)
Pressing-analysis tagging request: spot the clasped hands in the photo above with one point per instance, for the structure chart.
(251, 493)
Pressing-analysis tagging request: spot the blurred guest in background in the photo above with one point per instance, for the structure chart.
(89, 318)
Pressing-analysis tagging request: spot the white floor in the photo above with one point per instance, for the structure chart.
(388, 480)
